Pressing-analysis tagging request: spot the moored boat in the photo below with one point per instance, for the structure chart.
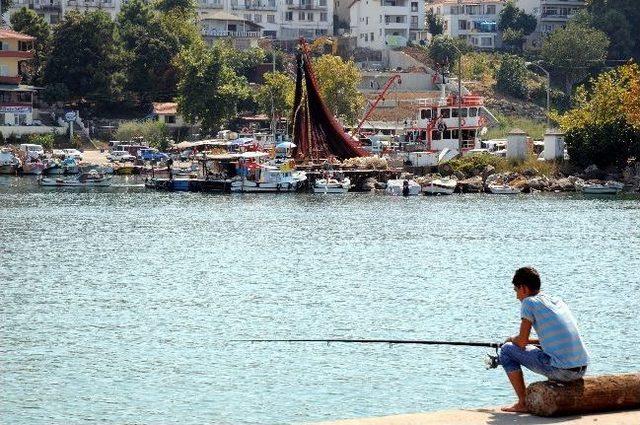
(606, 188)
(32, 166)
(503, 189)
(271, 178)
(9, 163)
(330, 183)
(402, 187)
(90, 179)
(440, 187)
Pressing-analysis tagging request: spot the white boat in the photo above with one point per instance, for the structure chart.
(91, 179)
(503, 189)
(70, 166)
(9, 163)
(271, 178)
(607, 188)
(402, 187)
(440, 187)
(329, 184)
(52, 167)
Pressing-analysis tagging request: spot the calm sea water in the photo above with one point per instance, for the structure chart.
(118, 305)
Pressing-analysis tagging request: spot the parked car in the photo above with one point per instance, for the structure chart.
(73, 153)
(151, 154)
(121, 156)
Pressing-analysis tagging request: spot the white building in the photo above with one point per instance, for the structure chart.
(281, 19)
(475, 21)
(383, 24)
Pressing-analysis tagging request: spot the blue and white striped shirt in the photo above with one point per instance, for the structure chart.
(557, 330)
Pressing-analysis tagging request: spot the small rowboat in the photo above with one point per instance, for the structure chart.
(90, 179)
(503, 189)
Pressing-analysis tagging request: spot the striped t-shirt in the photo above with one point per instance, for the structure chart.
(557, 330)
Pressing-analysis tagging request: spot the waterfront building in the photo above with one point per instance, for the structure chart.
(475, 21)
(53, 10)
(384, 24)
(16, 99)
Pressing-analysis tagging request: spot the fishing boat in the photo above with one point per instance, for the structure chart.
(503, 189)
(70, 165)
(606, 188)
(9, 163)
(52, 167)
(90, 179)
(330, 183)
(440, 187)
(32, 166)
(397, 187)
(270, 178)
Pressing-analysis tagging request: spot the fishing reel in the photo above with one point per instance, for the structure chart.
(491, 361)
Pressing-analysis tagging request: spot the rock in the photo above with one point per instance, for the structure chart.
(488, 170)
(563, 185)
(539, 183)
(530, 172)
(471, 185)
(520, 183)
(592, 172)
(445, 169)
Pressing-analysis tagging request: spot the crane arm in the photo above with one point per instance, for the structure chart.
(384, 90)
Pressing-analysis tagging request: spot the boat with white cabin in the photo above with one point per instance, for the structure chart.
(331, 183)
(269, 178)
(9, 162)
(444, 186)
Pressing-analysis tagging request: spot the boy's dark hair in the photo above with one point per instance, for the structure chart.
(527, 276)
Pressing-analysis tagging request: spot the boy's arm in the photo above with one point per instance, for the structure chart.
(522, 339)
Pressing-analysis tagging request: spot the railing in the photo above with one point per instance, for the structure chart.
(307, 6)
(254, 6)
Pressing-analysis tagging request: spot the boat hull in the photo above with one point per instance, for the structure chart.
(434, 189)
(253, 187)
(504, 190)
(601, 190)
(58, 182)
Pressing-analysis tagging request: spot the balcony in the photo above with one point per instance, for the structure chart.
(205, 5)
(19, 54)
(253, 6)
(307, 6)
(10, 80)
(232, 34)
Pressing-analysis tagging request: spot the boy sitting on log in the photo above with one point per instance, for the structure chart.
(559, 353)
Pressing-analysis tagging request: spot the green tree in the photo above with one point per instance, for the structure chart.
(244, 62)
(182, 5)
(511, 76)
(278, 88)
(44, 140)
(445, 50)
(4, 6)
(153, 132)
(571, 51)
(87, 59)
(149, 48)
(515, 25)
(208, 89)
(618, 19)
(435, 25)
(338, 81)
(28, 22)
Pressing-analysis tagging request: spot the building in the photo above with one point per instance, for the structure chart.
(475, 21)
(16, 99)
(281, 19)
(383, 24)
(554, 14)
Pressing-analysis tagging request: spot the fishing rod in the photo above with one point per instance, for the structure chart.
(491, 362)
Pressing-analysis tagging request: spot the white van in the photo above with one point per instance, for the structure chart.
(33, 151)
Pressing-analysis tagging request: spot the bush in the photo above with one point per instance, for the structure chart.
(511, 77)
(44, 140)
(612, 143)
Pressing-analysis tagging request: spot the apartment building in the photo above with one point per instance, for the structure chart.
(16, 100)
(383, 24)
(554, 14)
(475, 21)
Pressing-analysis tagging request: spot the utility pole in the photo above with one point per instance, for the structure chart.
(273, 104)
(459, 98)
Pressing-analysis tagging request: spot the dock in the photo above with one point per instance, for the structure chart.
(493, 416)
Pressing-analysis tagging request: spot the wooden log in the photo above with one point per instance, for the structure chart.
(588, 395)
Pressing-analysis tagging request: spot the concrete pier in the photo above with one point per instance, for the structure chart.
(493, 416)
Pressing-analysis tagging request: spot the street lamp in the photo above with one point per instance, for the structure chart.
(459, 98)
(548, 88)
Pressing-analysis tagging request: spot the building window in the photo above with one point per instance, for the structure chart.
(288, 16)
(310, 17)
(301, 16)
(414, 6)
(371, 37)
(323, 17)
(446, 112)
(170, 119)
(473, 112)
(425, 114)
(271, 19)
(4, 70)
(257, 18)
(491, 9)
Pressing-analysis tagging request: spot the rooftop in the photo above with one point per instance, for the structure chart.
(165, 108)
(9, 34)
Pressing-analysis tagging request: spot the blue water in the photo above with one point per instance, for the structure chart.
(118, 305)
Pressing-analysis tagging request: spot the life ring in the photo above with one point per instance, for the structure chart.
(463, 122)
